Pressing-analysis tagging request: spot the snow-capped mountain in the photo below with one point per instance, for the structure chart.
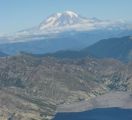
(62, 22)
(71, 20)
(67, 18)
(63, 31)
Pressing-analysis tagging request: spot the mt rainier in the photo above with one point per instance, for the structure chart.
(69, 20)
(63, 31)
(61, 22)
(64, 22)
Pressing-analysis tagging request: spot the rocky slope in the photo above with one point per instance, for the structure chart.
(111, 106)
(22, 107)
(45, 82)
(109, 100)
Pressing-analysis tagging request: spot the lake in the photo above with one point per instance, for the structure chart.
(97, 114)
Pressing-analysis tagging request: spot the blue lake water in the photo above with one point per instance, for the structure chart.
(97, 114)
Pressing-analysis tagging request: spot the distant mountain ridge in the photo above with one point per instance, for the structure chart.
(117, 48)
(2, 54)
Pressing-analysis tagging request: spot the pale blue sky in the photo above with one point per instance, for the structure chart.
(20, 14)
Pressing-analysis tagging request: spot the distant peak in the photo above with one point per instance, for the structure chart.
(59, 20)
(67, 13)
(71, 13)
(58, 14)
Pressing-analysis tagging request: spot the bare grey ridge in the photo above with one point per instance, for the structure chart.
(109, 100)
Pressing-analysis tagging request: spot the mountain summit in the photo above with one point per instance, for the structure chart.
(65, 19)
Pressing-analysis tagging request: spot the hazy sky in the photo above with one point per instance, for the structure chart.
(20, 14)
